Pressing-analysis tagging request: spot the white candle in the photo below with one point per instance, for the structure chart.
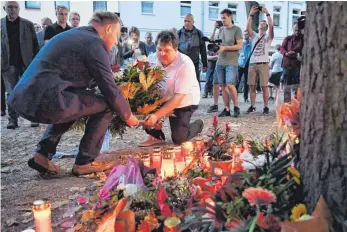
(42, 216)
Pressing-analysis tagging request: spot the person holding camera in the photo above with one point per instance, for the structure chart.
(135, 48)
(291, 50)
(259, 61)
(227, 62)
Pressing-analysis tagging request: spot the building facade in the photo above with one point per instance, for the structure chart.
(155, 16)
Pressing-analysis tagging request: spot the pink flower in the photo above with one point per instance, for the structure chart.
(104, 194)
(215, 120)
(227, 127)
(259, 196)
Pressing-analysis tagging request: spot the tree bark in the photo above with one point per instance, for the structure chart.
(323, 148)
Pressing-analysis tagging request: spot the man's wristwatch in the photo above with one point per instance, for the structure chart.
(251, 16)
(267, 15)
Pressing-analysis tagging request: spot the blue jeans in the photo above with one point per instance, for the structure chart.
(209, 81)
(226, 74)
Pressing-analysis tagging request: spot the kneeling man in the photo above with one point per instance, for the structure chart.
(55, 90)
(182, 93)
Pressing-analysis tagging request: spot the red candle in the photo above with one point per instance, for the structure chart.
(199, 145)
(156, 159)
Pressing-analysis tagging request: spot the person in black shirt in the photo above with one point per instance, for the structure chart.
(60, 26)
(55, 90)
(18, 48)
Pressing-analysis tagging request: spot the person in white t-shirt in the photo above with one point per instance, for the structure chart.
(259, 59)
(182, 95)
(276, 72)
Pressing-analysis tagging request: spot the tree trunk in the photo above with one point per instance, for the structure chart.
(323, 148)
(255, 21)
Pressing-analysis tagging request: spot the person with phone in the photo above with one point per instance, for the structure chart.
(227, 62)
(259, 61)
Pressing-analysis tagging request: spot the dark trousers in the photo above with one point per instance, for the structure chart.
(291, 82)
(181, 128)
(209, 81)
(243, 72)
(3, 97)
(197, 71)
(99, 119)
(11, 77)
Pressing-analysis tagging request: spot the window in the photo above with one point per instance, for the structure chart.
(147, 7)
(277, 16)
(213, 9)
(296, 15)
(233, 8)
(185, 8)
(99, 5)
(62, 3)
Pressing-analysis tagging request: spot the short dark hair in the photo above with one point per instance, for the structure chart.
(166, 37)
(227, 11)
(134, 30)
(264, 22)
(104, 17)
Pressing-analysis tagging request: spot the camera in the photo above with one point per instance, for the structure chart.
(301, 22)
(213, 45)
(220, 24)
(124, 30)
(260, 8)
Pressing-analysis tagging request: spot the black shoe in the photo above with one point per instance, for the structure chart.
(251, 109)
(266, 111)
(224, 113)
(3, 113)
(236, 111)
(204, 96)
(12, 125)
(271, 99)
(247, 100)
(196, 127)
(212, 109)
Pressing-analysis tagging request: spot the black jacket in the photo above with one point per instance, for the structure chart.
(57, 79)
(194, 47)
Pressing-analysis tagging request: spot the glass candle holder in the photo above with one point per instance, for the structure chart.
(186, 148)
(146, 159)
(169, 153)
(156, 159)
(189, 158)
(42, 216)
(168, 168)
(179, 161)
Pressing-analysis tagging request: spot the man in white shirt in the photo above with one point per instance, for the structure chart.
(182, 93)
(276, 72)
(259, 59)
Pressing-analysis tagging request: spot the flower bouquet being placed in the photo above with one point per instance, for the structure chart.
(142, 85)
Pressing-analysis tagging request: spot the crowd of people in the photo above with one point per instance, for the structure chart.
(49, 74)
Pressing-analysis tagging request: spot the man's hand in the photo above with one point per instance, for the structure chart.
(254, 10)
(151, 120)
(132, 121)
(221, 49)
(265, 11)
(204, 69)
(290, 53)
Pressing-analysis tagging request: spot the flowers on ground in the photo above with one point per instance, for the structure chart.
(259, 196)
(298, 211)
(293, 173)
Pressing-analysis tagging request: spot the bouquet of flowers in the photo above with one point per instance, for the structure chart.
(143, 87)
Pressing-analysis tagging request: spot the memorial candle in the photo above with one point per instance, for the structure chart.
(42, 216)
(186, 148)
(156, 159)
(199, 145)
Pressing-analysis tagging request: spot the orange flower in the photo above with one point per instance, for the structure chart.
(268, 222)
(261, 219)
(146, 109)
(129, 90)
(259, 196)
(235, 224)
(143, 227)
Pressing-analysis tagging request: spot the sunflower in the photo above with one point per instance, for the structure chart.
(298, 211)
(259, 196)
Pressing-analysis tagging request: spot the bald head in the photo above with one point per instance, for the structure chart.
(12, 10)
(189, 22)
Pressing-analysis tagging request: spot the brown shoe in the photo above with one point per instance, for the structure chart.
(43, 165)
(95, 166)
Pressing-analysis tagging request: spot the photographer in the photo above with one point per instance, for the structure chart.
(259, 62)
(291, 50)
(226, 68)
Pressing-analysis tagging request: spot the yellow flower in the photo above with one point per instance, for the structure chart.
(298, 211)
(294, 172)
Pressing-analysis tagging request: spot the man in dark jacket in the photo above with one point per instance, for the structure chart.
(191, 44)
(18, 47)
(55, 90)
